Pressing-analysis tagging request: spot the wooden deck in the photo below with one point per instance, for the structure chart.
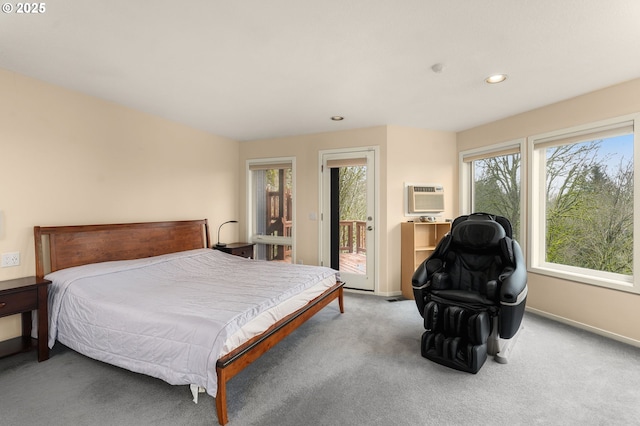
(354, 263)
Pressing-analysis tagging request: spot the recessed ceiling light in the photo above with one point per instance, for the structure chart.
(496, 78)
(337, 118)
(437, 68)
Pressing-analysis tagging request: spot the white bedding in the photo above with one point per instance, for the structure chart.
(173, 316)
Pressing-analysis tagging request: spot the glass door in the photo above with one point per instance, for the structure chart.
(348, 225)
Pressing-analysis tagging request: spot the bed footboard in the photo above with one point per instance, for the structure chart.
(234, 362)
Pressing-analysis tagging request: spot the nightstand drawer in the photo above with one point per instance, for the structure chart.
(18, 302)
(238, 249)
(245, 252)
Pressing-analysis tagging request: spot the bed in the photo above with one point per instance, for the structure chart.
(96, 310)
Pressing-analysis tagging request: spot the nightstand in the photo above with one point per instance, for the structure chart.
(21, 296)
(238, 249)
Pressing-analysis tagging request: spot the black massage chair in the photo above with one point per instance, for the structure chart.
(471, 293)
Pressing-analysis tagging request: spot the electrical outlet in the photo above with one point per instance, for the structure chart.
(10, 259)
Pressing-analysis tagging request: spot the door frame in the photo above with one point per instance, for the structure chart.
(324, 226)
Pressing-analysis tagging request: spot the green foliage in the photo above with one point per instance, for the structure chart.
(497, 188)
(273, 179)
(590, 216)
(353, 193)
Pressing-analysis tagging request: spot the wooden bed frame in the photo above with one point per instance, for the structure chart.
(60, 247)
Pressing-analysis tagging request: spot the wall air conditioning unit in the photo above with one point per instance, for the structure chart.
(425, 199)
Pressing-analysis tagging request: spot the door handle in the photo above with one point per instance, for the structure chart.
(369, 228)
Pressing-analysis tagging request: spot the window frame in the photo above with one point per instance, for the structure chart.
(536, 182)
(467, 177)
(251, 225)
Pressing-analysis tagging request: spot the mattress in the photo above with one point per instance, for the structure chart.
(173, 316)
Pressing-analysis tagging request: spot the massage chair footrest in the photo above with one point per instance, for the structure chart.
(451, 352)
(456, 336)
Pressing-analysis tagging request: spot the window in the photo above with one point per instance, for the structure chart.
(271, 208)
(582, 199)
(493, 179)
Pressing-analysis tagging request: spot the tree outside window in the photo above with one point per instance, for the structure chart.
(496, 187)
(589, 204)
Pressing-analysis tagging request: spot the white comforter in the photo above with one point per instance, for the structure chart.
(168, 316)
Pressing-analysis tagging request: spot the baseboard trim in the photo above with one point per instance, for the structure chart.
(381, 294)
(587, 327)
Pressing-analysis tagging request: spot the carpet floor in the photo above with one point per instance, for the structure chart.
(359, 368)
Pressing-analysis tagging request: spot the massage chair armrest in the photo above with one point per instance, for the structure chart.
(425, 271)
(419, 282)
(420, 276)
(421, 279)
(513, 297)
(514, 282)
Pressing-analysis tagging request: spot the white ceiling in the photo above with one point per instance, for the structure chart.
(253, 69)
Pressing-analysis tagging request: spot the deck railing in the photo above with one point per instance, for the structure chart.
(353, 236)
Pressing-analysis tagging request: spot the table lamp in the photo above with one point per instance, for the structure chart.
(219, 244)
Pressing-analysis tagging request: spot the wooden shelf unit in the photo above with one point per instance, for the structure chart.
(419, 240)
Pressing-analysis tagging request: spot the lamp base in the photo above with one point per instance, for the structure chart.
(221, 244)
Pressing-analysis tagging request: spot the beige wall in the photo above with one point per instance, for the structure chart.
(611, 102)
(407, 155)
(606, 311)
(68, 158)
(416, 156)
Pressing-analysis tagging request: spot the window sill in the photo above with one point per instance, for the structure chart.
(585, 276)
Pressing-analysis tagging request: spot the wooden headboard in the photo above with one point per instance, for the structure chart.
(59, 247)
